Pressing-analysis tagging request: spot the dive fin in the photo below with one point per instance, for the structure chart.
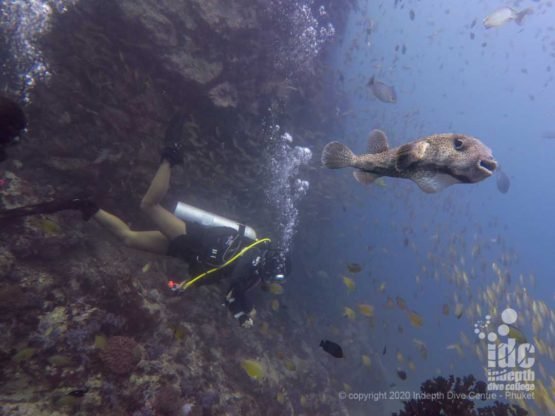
(87, 207)
(336, 155)
(435, 183)
(365, 178)
(377, 142)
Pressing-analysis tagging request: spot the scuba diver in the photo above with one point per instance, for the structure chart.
(12, 123)
(214, 247)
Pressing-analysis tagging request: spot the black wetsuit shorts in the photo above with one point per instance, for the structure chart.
(204, 247)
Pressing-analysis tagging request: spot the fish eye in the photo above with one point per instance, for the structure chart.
(458, 144)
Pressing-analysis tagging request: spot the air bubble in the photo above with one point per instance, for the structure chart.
(286, 187)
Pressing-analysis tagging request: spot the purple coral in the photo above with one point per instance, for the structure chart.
(442, 403)
(121, 354)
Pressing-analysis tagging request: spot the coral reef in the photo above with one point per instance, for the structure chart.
(121, 354)
(168, 401)
(224, 95)
(117, 71)
(468, 389)
(6, 262)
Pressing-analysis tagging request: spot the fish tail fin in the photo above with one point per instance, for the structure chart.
(520, 15)
(336, 155)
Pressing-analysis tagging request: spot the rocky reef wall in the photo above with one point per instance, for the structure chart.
(88, 326)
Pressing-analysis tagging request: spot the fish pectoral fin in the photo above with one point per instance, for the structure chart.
(377, 142)
(434, 183)
(410, 153)
(365, 178)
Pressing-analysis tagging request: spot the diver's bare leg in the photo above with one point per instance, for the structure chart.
(168, 224)
(151, 241)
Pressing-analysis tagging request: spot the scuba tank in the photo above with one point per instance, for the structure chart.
(189, 213)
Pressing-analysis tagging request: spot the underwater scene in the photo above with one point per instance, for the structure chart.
(277, 207)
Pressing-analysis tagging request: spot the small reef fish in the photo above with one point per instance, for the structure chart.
(516, 334)
(354, 267)
(383, 92)
(78, 392)
(502, 181)
(332, 348)
(457, 348)
(433, 162)
(253, 368)
(421, 347)
(347, 281)
(366, 310)
(366, 361)
(47, 225)
(459, 310)
(503, 15)
(349, 313)
(401, 303)
(389, 304)
(415, 319)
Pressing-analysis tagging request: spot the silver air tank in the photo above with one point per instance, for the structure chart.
(189, 213)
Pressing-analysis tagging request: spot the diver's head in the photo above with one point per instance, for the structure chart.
(276, 265)
(12, 123)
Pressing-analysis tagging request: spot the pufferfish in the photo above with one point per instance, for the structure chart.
(432, 162)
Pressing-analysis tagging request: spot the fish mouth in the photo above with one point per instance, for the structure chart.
(487, 166)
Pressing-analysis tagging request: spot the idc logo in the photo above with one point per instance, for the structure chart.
(510, 357)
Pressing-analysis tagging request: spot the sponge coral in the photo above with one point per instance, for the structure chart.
(121, 354)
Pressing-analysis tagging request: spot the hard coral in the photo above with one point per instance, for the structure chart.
(168, 401)
(121, 354)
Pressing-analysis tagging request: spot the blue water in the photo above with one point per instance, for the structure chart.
(411, 245)
(446, 82)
